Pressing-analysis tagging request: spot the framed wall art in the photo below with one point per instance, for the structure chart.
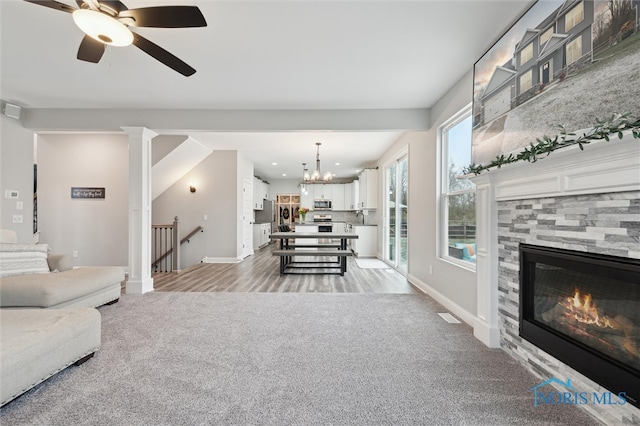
(565, 63)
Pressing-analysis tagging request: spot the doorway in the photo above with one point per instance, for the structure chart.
(396, 246)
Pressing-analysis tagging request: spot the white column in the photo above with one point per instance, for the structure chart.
(140, 280)
(486, 327)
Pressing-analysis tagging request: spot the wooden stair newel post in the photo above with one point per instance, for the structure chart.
(175, 254)
(139, 280)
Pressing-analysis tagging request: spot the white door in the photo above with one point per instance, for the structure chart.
(247, 210)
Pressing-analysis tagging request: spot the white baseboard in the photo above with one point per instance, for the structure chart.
(456, 309)
(220, 260)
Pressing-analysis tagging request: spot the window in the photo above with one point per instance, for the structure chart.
(526, 81)
(574, 16)
(526, 54)
(574, 50)
(396, 213)
(457, 201)
(546, 36)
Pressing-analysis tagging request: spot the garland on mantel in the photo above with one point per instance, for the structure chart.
(614, 125)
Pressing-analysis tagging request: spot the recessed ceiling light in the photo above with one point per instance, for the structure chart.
(337, 164)
(274, 164)
(284, 174)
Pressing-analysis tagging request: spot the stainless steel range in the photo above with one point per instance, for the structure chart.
(324, 225)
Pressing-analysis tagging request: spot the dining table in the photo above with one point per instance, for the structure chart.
(301, 247)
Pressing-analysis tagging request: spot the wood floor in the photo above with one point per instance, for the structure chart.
(260, 273)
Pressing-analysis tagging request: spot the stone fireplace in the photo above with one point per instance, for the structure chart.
(582, 203)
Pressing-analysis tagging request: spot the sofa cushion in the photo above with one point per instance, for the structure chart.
(45, 290)
(19, 259)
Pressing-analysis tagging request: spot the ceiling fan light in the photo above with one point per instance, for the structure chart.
(102, 28)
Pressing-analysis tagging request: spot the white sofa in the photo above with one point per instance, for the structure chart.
(47, 320)
(30, 277)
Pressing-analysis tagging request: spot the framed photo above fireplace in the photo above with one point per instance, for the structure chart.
(563, 63)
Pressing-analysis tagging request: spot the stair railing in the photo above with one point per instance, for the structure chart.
(165, 251)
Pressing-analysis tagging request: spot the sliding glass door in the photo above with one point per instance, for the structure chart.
(396, 213)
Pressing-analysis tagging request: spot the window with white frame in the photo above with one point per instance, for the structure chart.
(457, 196)
(574, 50)
(545, 36)
(526, 81)
(526, 54)
(574, 16)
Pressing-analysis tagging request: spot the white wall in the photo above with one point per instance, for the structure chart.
(216, 196)
(244, 172)
(96, 228)
(450, 284)
(283, 186)
(16, 173)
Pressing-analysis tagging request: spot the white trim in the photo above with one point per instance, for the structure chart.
(456, 309)
(603, 167)
(442, 176)
(208, 259)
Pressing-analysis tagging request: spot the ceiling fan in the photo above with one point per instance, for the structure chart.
(108, 22)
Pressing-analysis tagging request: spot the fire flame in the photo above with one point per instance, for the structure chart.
(583, 309)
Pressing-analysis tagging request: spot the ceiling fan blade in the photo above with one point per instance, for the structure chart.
(53, 5)
(91, 50)
(162, 55)
(165, 17)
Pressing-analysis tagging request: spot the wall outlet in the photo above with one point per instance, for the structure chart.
(430, 269)
(205, 217)
(75, 253)
(18, 218)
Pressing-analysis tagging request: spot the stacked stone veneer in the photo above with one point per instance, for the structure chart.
(602, 223)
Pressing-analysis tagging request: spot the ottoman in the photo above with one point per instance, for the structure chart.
(35, 344)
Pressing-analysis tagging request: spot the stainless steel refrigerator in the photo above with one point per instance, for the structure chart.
(267, 214)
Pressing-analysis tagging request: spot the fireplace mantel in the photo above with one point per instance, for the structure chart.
(603, 167)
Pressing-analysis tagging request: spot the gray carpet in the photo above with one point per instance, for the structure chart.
(287, 359)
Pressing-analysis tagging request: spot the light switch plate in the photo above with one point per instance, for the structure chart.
(19, 205)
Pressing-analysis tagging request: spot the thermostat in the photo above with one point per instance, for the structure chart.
(11, 193)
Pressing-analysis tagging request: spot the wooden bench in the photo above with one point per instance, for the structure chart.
(333, 246)
(287, 264)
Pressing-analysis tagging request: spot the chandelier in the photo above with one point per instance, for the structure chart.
(303, 186)
(316, 176)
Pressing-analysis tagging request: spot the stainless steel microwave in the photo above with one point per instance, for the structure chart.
(322, 205)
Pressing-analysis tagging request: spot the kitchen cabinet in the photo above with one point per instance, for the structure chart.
(366, 245)
(337, 196)
(260, 193)
(368, 192)
(322, 191)
(261, 233)
(351, 195)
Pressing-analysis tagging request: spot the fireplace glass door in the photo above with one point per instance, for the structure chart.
(580, 305)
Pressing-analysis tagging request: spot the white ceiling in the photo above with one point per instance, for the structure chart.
(263, 55)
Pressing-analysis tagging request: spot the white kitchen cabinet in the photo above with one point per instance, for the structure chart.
(367, 243)
(261, 232)
(355, 195)
(368, 189)
(260, 193)
(322, 191)
(337, 196)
